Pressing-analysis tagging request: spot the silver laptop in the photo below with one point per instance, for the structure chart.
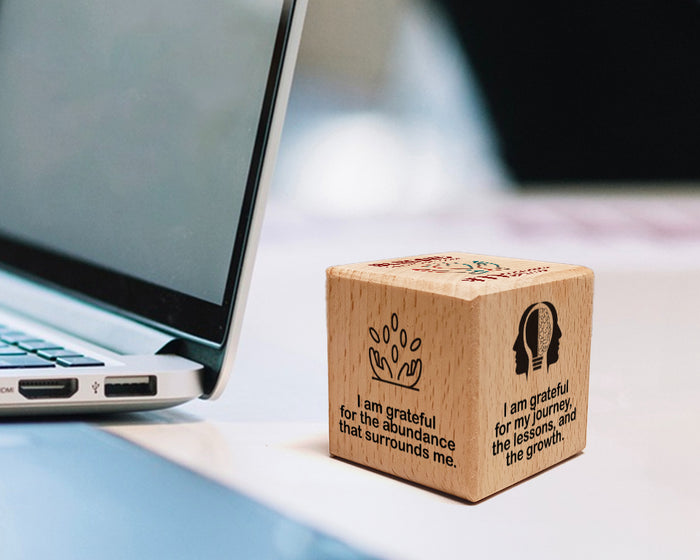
(137, 139)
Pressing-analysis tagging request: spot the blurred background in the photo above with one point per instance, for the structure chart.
(385, 114)
(419, 102)
(538, 125)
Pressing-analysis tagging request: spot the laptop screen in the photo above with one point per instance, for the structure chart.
(130, 140)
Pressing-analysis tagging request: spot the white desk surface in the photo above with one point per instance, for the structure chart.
(633, 493)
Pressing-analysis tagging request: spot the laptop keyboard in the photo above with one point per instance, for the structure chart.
(19, 349)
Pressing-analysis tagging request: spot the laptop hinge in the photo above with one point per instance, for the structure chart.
(210, 357)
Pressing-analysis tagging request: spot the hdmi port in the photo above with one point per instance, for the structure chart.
(132, 386)
(48, 388)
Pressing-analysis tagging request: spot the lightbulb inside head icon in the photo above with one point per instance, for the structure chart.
(537, 344)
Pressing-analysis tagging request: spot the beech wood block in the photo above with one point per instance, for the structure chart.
(464, 373)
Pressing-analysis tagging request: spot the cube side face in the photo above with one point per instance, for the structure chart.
(533, 378)
(402, 382)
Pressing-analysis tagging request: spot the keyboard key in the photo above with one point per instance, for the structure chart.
(36, 345)
(13, 337)
(52, 354)
(19, 349)
(8, 350)
(78, 361)
(26, 361)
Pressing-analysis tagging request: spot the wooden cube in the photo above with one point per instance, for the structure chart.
(464, 373)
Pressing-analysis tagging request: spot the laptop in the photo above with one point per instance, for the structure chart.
(137, 140)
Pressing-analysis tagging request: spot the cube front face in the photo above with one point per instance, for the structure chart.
(463, 382)
(391, 408)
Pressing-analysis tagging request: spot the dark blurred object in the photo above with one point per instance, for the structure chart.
(589, 91)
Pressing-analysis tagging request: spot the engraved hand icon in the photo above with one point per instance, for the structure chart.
(410, 370)
(380, 366)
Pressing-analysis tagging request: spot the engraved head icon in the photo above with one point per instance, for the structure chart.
(537, 344)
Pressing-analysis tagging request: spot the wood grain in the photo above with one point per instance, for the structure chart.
(465, 373)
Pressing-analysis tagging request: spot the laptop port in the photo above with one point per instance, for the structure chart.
(48, 388)
(131, 386)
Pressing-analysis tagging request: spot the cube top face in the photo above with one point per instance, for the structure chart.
(457, 274)
(463, 386)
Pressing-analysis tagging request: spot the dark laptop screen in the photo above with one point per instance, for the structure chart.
(129, 133)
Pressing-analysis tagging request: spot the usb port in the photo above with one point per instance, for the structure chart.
(131, 386)
(48, 388)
